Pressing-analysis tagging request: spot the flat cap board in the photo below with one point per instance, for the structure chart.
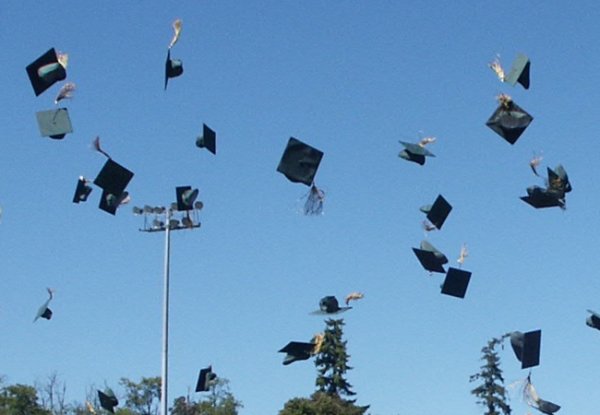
(509, 121)
(456, 282)
(299, 162)
(54, 123)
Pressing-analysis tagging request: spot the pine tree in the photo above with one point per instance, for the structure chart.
(491, 393)
(332, 361)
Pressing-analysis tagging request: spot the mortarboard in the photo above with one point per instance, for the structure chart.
(108, 400)
(430, 258)
(109, 202)
(509, 120)
(558, 181)
(45, 71)
(539, 197)
(438, 212)
(173, 68)
(456, 282)
(208, 139)
(44, 311)
(113, 177)
(519, 72)
(54, 123)
(593, 320)
(186, 197)
(527, 347)
(205, 378)
(547, 407)
(330, 305)
(82, 191)
(297, 351)
(415, 153)
(299, 162)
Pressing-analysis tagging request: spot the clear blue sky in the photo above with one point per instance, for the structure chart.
(351, 78)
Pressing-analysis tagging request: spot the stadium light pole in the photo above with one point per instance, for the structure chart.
(167, 226)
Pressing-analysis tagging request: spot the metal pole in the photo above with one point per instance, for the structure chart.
(165, 345)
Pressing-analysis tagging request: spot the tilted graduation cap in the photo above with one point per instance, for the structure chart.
(539, 198)
(519, 72)
(112, 179)
(593, 320)
(297, 351)
(45, 71)
(415, 153)
(82, 191)
(438, 212)
(299, 162)
(205, 378)
(509, 120)
(558, 181)
(54, 123)
(547, 407)
(44, 311)
(173, 68)
(456, 282)
(430, 258)
(186, 196)
(208, 139)
(330, 305)
(108, 400)
(527, 347)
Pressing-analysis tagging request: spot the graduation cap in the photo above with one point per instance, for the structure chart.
(593, 320)
(45, 71)
(509, 120)
(54, 123)
(186, 196)
(208, 139)
(519, 72)
(527, 347)
(113, 177)
(173, 68)
(539, 197)
(438, 212)
(108, 400)
(558, 181)
(297, 351)
(456, 282)
(330, 305)
(82, 191)
(299, 162)
(44, 311)
(415, 153)
(205, 377)
(430, 258)
(547, 407)
(109, 202)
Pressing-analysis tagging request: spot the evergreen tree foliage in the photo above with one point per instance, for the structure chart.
(491, 393)
(332, 361)
(20, 400)
(321, 403)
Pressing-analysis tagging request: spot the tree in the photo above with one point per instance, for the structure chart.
(491, 393)
(321, 403)
(220, 402)
(332, 361)
(52, 395)
(142, 398)
(20, 400)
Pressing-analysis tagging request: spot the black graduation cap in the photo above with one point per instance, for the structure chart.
(45, 71)
(593, 320)
(208, 139)
(54, 123)
(297, 351)
(558, 181)
(415, 153)
(539, 197)
(299, 162)
(509, 120)
(82, 191)
(109, 202)
(113, 177)
(44, 311)
(527, 347)
(330, 305)
(173, 68)
(430, 258)
(438, 212)
(519, 72)
(108, 400)
(547, 407)
(456, 282)
(205, 377)
(186, 196)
